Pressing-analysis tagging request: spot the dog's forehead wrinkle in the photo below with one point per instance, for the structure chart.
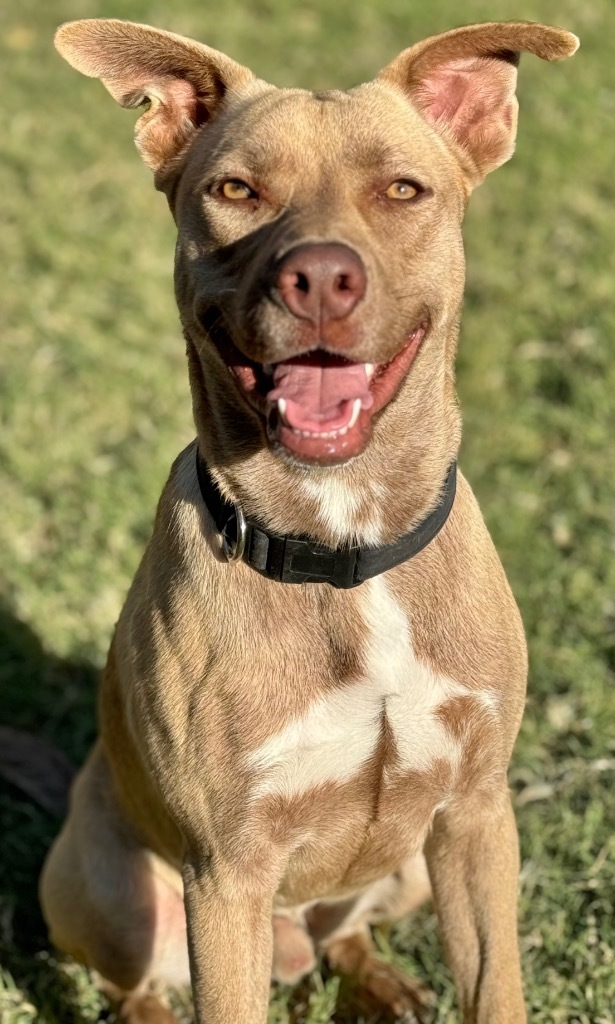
(329, 95)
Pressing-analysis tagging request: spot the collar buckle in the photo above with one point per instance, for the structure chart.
(305, 562)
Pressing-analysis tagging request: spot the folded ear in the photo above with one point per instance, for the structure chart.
(184, 81)
(463, 83)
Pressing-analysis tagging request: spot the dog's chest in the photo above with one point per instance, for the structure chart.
(390, 714)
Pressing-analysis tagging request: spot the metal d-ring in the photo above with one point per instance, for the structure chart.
(234, 547)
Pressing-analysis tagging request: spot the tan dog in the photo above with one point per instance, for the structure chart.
(296, 753)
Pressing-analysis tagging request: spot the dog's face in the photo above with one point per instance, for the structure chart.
(313, 262)
(319, 247)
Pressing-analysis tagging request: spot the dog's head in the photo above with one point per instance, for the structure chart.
(319, 250)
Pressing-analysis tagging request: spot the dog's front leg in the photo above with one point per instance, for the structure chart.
(229, 914)
(473, 859)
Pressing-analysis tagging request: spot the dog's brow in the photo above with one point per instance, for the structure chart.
(259, 154)
(259, 160)
(262, 157)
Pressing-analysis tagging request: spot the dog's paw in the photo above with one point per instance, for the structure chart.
(144, 1010)
(394, 993)
(384, 990)
(293, 951)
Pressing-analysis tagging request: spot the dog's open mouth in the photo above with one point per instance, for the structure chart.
(317, 406)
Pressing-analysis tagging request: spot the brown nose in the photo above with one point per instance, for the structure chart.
(321, 282)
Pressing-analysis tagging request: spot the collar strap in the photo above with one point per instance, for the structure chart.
(298, 558)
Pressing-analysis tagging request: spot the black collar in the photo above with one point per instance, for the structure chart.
(299, 559)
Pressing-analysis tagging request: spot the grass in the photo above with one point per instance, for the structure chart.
(94, 404)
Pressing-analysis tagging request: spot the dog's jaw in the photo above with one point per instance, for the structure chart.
(318, 407)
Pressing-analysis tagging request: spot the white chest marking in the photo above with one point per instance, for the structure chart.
(341, 730)
(339, 504)
(411, 690)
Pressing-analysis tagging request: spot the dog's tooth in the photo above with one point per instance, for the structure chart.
(282, 407)
(356, 409)
(369, 370)
(328, 433)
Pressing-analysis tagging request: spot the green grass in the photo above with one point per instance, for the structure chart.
(94, 404)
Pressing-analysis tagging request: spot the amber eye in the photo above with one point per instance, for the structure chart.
(235, 189)
(401, 190)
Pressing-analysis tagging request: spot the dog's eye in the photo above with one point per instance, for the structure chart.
(402, 190)
(235, 189)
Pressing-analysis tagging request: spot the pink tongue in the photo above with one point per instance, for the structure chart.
(320, 397)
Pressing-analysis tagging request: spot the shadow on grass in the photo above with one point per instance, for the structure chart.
(53, 699)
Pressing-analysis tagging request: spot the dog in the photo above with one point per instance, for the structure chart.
(318, 676)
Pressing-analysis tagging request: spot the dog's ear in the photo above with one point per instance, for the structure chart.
(463, 83)
(183, 81)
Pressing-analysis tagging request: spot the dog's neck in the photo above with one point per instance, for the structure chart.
(297, 559)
